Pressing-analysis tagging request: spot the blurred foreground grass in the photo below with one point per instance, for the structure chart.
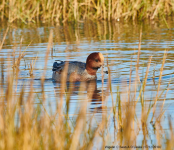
(27, 125)
(78, 10)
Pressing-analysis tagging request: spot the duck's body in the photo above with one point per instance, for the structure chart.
(78, 71)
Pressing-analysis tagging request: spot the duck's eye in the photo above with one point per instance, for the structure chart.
(96, 60)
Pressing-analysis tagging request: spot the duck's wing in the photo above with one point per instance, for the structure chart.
(72, 66)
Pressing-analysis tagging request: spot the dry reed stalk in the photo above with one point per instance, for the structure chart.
(31, 66)
(127, 121)
(109, 10)
(156, 9)
(9, 114)
(64, 10)
(50, 44)
(162, 111)
(145, 80)
(159, 83)
(80, 122)
(138, 56)
(110, 85)
(130, 82)
(169, 143)
(166, 22)
(75, 10)
(2, 42)
(137, 65)
(144, 114)
(118, 99)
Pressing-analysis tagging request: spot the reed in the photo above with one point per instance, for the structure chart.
(78, 10)
(26, 124)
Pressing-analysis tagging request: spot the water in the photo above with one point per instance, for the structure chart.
(117, 41)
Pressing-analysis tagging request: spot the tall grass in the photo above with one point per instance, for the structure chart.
(78, 10)
(27, 125)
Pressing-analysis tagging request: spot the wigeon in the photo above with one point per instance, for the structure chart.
(79, 71)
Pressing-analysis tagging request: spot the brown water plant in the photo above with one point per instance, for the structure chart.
(79, 10)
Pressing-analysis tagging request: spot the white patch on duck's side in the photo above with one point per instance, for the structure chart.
(86, 76)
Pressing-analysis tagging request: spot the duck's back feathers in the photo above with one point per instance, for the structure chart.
(72, 66)
(76, 70)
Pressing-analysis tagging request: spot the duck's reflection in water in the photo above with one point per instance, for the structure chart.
(77, 91)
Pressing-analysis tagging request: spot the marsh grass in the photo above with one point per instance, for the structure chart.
(78, 10)
(27, 125)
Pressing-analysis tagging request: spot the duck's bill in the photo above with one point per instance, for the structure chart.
(105, 72)
(103, 69)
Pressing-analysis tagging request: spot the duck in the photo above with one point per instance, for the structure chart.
(78, 71)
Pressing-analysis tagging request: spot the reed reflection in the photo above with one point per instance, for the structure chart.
(88, 90)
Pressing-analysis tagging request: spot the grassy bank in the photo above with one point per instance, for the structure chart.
(78, 10)
(26, 124)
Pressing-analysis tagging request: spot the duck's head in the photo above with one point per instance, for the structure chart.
(93, 62)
